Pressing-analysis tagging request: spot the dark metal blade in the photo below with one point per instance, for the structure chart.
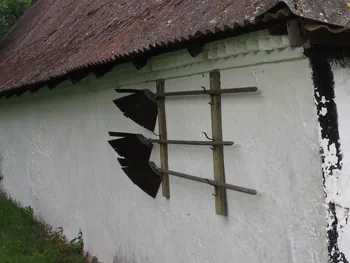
(125, 162)
(141, 174)
(119, 134)
(133, 146)
(141, 107)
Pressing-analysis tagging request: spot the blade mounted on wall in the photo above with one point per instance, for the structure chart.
(142, 175)
(144, 107)
(141, 105)
(148, 177)
(131, 146)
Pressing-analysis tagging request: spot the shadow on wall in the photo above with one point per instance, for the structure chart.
(119, 258)
(93, 260)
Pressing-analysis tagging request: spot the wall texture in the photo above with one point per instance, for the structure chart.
(338, 187)
(56, 158)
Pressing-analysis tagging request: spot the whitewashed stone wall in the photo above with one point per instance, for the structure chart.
(56, 158)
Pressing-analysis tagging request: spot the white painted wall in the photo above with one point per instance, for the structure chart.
(56, 158)
(340, 186)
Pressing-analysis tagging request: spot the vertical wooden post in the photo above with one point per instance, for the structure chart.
(163, 136)
(218, 152)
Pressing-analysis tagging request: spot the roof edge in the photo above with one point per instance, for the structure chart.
(197, 40)
(273, 15)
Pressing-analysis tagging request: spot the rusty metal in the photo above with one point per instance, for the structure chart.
(57, 38)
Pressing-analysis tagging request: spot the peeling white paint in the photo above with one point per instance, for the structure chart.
(323, 100)
(331, 175)
(324, 111)
(340, 191)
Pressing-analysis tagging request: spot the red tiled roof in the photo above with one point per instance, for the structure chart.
(55, 37)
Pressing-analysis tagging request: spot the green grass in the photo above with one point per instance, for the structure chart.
(23, 239)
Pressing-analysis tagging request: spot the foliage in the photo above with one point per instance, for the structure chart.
(23, 239)
(10, 11)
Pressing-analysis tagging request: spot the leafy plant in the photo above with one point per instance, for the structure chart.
(10, 11)
(78, 243)
(24, 239)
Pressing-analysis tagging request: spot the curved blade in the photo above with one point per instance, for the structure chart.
(133, 146)
(141, 174)
(141, 107)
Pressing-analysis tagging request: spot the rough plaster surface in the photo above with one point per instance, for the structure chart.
(56, 159)
(330, 151)
(340, 187)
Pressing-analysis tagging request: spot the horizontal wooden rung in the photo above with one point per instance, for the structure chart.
(207, 92)
(194, 92)
(205, 180)
(183, 142)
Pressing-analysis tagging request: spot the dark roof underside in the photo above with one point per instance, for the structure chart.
(56, 37)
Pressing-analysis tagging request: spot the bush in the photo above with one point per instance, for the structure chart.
(10, 11)
(24, 239)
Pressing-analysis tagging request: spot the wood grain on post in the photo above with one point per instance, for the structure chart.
(218, 152)
(163, 136)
